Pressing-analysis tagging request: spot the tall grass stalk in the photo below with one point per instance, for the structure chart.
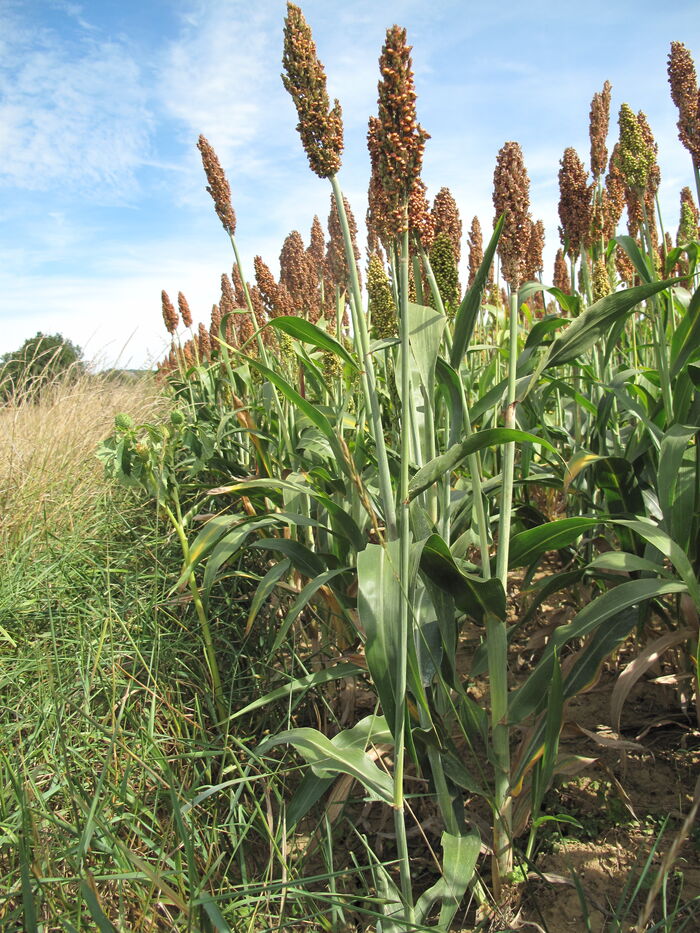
(368, 377)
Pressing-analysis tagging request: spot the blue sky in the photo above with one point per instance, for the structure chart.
(102, 199)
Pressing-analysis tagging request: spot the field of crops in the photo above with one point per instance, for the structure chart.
(385, 613)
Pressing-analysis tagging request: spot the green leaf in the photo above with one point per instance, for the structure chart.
(468, 311)
(104, 924)
(265, 588)
(378, 604)
(527, 698)
(226, 547)
(450, 460)
(459, 855)
(685, 342)
(426, 326)
(596, 320)
(622, 562)
(671, 454)
(306, 561)
(528, 546)
(450, 385)
(669, 548)
(477, 597)
(629, 245)
(327, 759)
(543, 329)
(306, 332)
(344, 669)
(302, 600)
(315, 416)
(370, 729)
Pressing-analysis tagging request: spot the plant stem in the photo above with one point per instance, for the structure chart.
(404, 574)
(368, 377)
(473, 460)
(497, 641)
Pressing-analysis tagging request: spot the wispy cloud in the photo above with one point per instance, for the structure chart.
(74, 111)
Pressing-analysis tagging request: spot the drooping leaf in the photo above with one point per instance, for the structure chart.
(336, 672)
(596, 320)
(302, 600)
(451, 459)
(629, 245)
(306, 332)
(459, 855)
(637, 667)
(477, 597)
(685, 342)
(527, 546)
(315, 416)
(526, 698)
(307, 562)
(379, 608)
(327, 759)
(468, 310)
(264, 590)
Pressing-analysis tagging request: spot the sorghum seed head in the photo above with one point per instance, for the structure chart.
(227, 302)
(574, 202)
(535, 246)
(320, 125)
(624, 266)
(381, 301)
(446, 219)
(686, 97)
(215, 326)
(169, 313)
(635, 157)
(399, 137)
(238, 289)
(184, 309)
(294, 270)
(218, 186)
(203, 343)
(317, 246)
(615, 188)
(561, 278)
(511, 198)
(420, 222)
(688, 225)
(476, 248)
(598, 129)
(601, 282)
(442, 261)
(335, 262)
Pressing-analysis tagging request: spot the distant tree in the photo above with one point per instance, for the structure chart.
(40, 360)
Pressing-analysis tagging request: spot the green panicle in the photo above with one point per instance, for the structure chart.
(381, 302)
(442, 260)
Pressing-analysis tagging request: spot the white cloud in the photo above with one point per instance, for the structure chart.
(74, 112)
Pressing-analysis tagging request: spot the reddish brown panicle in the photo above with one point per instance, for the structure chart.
(184, 308)
(218, 186)
(475, 240)
(511, 199)
(169, 313)
(598, 130)
(686, 97)
(400, 139)
(320, 125)
(574, 202)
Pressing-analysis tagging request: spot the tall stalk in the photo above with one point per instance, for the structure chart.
(404, 575)
(497, 642)
(367, 376)
(473, 460)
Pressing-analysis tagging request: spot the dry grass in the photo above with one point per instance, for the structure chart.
(49, 475)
